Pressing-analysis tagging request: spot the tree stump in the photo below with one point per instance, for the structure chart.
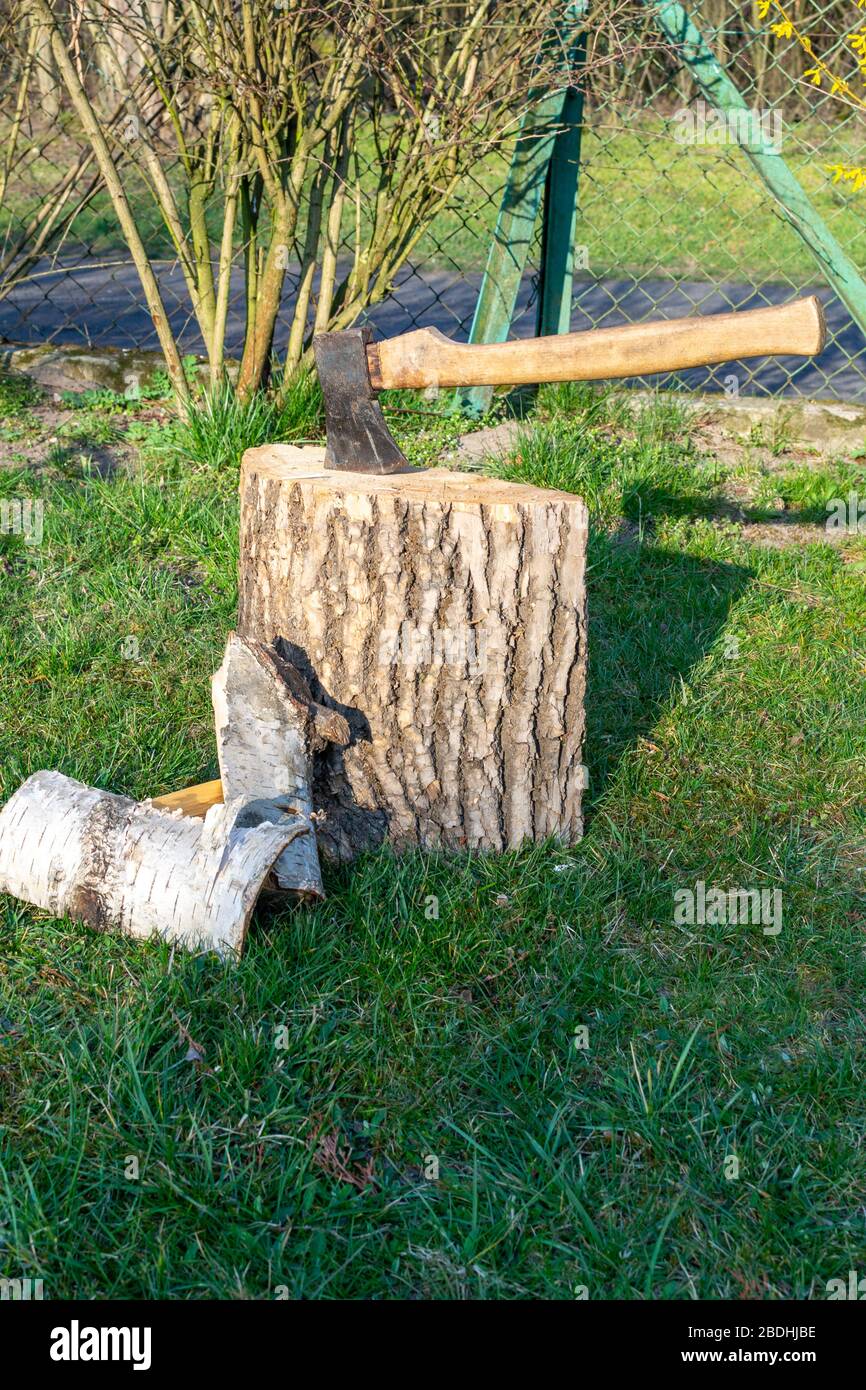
(443, 615)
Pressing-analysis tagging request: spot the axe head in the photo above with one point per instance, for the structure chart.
(358, 438)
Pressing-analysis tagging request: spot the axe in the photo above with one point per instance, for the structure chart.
(353, 369)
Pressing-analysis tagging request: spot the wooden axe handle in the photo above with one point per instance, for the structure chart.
(428, 358)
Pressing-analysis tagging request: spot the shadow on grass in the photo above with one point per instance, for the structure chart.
(653, 616)
(643, 499)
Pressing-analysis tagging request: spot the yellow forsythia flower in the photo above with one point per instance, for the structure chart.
(852, 174)
(814, 76)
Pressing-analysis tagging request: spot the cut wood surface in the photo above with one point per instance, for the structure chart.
(427, 358)
(443, 616)
(115, 863)
(192, 801)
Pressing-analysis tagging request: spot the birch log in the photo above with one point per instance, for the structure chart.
(116, 863)
(443, 616)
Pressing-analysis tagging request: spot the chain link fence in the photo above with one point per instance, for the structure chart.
(671, 217)
(675, 220)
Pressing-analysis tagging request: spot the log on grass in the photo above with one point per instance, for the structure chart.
(116, 863)
(443, 616)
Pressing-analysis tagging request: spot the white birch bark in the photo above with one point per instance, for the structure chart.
(116, 863)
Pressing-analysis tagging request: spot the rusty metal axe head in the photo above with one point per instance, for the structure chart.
(358, 438)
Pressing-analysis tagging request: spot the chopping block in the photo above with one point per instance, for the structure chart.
(443, 615)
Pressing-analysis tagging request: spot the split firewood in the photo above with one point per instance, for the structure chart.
(116, 863)
(268, 729)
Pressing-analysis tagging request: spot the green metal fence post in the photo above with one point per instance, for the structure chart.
(560, 220)
(792, 200)
(540, 129)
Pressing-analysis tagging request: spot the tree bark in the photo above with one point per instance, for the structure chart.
(443, 616)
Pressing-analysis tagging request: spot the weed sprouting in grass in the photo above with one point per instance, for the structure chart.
(17, 395)
(153, 389)
(775, 434)
(220, 427)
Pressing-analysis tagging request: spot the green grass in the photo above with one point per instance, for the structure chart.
(17, 395)
(648, 205)
(726, 711)
(219, 429)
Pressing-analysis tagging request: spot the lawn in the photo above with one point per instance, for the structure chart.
(648, 205)
(390, 1097)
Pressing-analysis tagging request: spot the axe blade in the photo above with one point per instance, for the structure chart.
(358, 438)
